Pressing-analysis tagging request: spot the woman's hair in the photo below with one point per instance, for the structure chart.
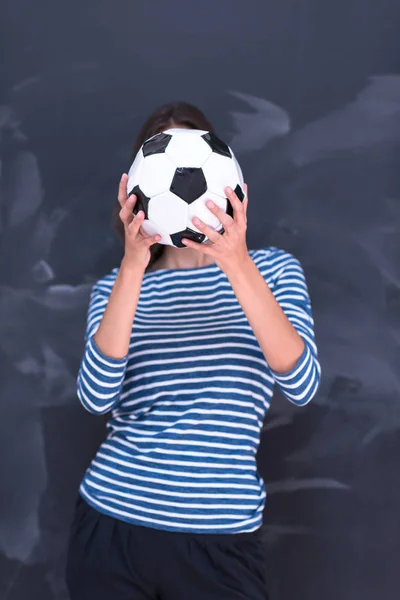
(165, 117)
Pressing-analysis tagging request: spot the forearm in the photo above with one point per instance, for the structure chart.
(111, 314)
(103, 366)
(114, 332)
(279, 341)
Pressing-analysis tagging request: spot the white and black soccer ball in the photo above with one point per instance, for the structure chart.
(174, 173)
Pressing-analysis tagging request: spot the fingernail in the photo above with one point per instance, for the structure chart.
(229, 190)
(210, 203)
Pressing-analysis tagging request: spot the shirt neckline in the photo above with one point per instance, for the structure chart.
(188, 271)
(185, 270)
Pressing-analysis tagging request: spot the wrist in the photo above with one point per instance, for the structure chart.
(129, 268)
(241, 270)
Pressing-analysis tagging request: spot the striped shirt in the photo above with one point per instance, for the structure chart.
(189, 400)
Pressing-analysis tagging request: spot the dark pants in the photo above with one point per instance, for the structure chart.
(109, 559)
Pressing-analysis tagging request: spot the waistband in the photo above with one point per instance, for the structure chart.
(155, 531)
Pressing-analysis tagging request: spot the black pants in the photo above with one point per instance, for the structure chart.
(109, 559)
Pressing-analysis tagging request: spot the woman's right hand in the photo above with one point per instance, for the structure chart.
(137, 244)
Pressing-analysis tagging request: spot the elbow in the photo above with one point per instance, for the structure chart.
(308, 389)
(306, 399)
(92, 406)
(100, 380)
(95, 400)
(301, 384)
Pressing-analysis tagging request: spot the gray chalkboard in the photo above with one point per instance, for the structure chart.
(307, 92)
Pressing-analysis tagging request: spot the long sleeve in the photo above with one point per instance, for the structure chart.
(301, 383)
(100, 377)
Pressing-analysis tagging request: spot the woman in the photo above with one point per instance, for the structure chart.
(184, 348)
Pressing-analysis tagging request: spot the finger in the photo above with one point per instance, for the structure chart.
(203, 248)
(213, 235)
(221, 215)
(245, 203)
(134, 225)
(126, 212)
(122, 190)
(152, 239)
(238, 208)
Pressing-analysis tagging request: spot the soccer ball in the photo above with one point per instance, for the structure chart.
(174, 173)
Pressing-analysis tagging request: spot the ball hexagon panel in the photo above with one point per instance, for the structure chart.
(217, 145)
(156, 174)
(169, 211)
(220, 172)
(188, 233)
(188, 150)
(185, 132)
(200, 210)
(151, 228)
(156, 144)
(188, 183)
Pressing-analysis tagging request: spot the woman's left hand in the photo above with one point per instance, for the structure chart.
(229, 249)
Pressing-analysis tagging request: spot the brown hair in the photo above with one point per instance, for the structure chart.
(165, 117)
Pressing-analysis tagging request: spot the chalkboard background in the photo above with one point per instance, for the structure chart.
(307, 92)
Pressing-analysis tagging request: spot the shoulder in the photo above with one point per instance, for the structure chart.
(275, 261)
(104, 285)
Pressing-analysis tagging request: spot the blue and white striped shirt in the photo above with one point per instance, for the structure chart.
(189, 400)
